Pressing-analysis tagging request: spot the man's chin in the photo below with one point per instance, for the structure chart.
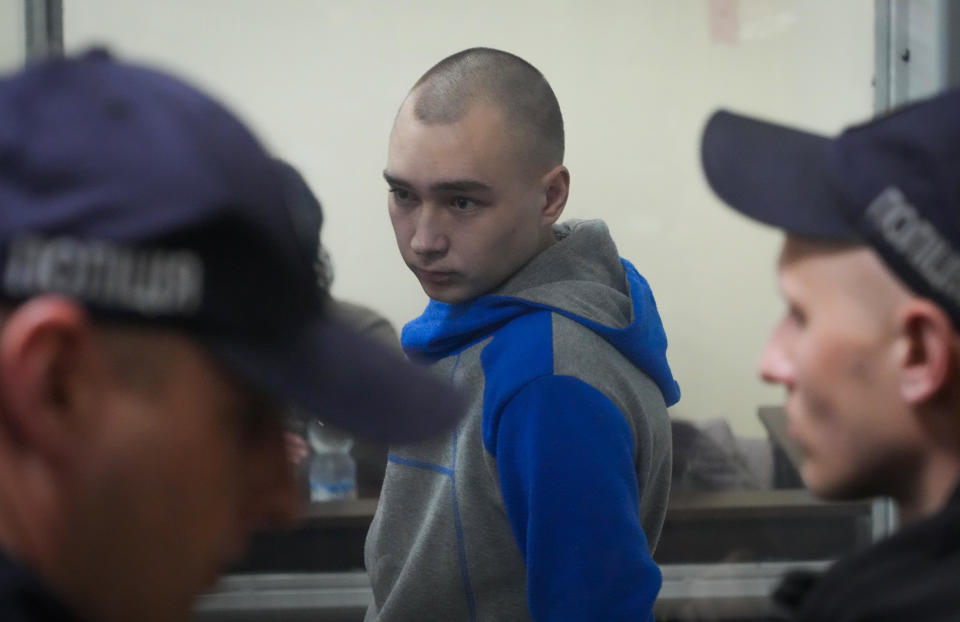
(445, 294)
(836, 489)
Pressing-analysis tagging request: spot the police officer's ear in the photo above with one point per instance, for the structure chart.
(50, 371)
(556, 186)
(928, 358)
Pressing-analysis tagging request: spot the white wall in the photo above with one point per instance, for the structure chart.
(12, 42)
(321, 81)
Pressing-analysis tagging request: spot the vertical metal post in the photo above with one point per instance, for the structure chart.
(887, 91)
(917, 50)
(917, 54)
(882, 46)
(44, 28)
(951, 39)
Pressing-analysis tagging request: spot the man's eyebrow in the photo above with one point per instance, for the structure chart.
(395, 181)
(453, 185)
(461, 185)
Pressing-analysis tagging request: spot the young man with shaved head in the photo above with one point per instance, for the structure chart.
(869, 349)
(548, 500)
(156, 319)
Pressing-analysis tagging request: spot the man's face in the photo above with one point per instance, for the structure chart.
(466, 214)
(175, 476)
(835, 353)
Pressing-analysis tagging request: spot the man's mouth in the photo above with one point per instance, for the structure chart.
(793, 431)
(435, 277)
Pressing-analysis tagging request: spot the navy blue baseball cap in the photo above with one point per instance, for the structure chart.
(892, 184)
(149, 203)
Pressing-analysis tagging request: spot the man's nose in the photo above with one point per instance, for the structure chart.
(429, 235)
(775, 365)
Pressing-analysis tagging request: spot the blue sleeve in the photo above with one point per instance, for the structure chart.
(565, 459)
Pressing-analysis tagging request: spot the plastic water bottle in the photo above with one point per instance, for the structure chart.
(333, 472)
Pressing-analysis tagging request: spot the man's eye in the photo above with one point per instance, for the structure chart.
(463, 204)
(796, 316)
(402, 196)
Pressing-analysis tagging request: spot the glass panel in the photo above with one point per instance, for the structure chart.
(321, 82)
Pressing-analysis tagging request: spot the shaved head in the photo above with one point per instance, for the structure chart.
(447, 91)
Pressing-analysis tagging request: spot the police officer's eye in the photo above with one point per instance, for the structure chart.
(255, 413)
(797, 316)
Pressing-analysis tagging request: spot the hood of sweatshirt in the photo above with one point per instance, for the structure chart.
(581, 277)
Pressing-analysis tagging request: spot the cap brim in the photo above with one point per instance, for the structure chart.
(346, 380)
(775, 174)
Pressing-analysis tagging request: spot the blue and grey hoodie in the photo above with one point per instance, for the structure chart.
(547, 501)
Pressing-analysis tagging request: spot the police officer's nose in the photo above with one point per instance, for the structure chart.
(775, 365)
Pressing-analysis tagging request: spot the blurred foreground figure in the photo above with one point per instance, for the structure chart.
(155, 321)
(869, 349)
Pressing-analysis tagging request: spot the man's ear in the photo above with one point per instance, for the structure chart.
(556, 184)
(48, 371)
(928, 359)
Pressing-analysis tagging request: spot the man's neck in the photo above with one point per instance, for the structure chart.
(29, 524)
(547, 239)
(939, 479)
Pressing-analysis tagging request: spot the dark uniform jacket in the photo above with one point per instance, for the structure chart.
(913, 576)
(25, 598)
